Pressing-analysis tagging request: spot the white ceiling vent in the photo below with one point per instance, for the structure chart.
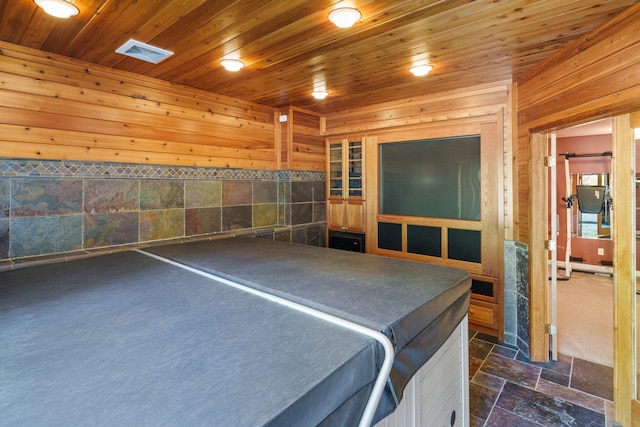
(143, 51)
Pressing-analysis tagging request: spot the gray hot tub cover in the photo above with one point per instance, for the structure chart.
(126, 340)
(416, 305)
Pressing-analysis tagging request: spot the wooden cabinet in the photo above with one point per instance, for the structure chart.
(485, 308)
(483, 314)
(345, 215)
(345, 186)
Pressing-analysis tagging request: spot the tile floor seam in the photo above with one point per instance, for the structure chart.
(555, 397)
(497, 415)
(538, 379)
(495, 403)
(484, 359)
(511, 412)
(600, 399)
(591, 395)
(571, 372)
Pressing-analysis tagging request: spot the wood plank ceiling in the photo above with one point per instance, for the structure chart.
(290, 46)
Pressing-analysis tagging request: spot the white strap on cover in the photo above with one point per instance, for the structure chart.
(385, 369)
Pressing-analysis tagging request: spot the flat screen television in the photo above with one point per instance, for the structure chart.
(437, 178)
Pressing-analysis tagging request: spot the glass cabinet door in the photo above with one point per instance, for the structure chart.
(335, 170)
(355, 168)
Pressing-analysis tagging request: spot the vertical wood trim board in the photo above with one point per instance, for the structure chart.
(372, 189)
(624, 238)
(538, 273)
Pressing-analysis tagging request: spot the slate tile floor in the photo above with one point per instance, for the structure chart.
(506, 389)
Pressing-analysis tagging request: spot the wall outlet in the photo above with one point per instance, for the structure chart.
(600, 251)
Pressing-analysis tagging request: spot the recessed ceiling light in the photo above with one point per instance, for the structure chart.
(58, 8)
(319, 94)
(344, 17)
(232, 64)
(420, 70)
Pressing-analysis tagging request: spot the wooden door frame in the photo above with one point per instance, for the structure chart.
(627, 407)
(624, 270)
(539, 232)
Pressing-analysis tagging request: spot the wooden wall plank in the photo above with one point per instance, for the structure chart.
(55, 108)
(307, 145)
(40, 65)
(613, 37)
(90, 140)
(47, 151)
(620, 85)
(444, 107)
(594, 77)
(135, 103)
(34, 118)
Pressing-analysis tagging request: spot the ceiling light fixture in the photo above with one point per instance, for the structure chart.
(319, 94)
(58, 8)
(232, 64)
(344, 17)
(420, 70)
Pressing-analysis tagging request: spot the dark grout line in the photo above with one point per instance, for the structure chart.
(542, 366)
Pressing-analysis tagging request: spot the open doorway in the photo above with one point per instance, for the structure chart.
(584, 247)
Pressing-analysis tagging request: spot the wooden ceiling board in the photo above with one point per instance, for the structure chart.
(67, 29)
(15, 19)
(202, 47)
(288, 47)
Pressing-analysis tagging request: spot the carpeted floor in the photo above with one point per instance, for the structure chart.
(585, 317)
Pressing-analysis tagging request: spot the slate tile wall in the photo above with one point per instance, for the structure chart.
(304, 201)
(516, 295)
(522, 288)
(111, 212)
(59, 207)
(5, 207)
(510, 294)
(203, 207)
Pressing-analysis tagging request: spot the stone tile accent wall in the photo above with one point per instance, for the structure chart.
(304, 200)
(516, 296)
(49, 208)
(522, 287)
(5, 207)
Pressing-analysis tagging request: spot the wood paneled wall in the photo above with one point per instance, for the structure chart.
(436, 115)
(302, 141)
(53, 107)
(473, 102)
(595, 77)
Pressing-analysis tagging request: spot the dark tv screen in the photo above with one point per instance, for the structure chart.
(437, 178)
